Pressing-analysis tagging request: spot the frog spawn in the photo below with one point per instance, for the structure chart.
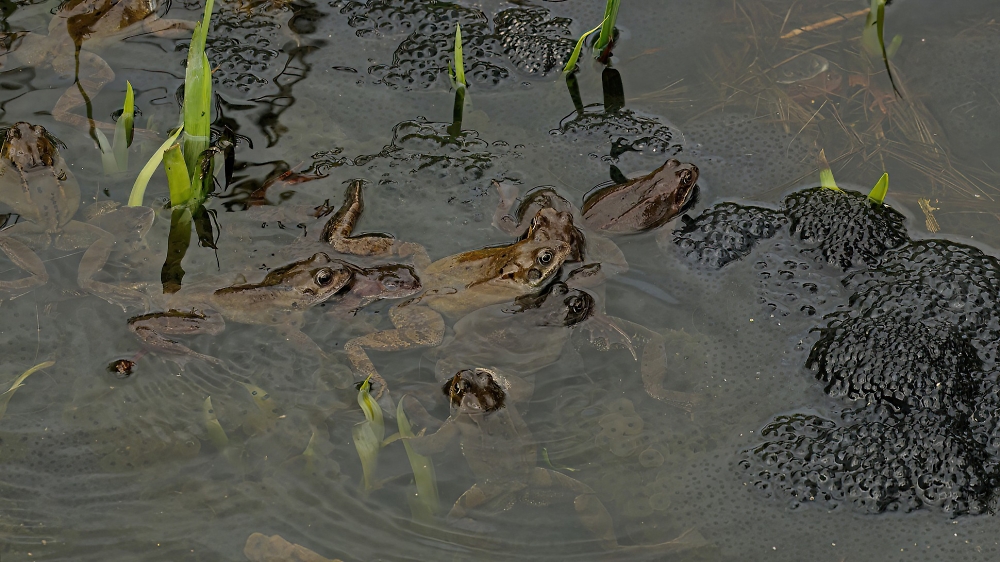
(523, 40)
(908, 356)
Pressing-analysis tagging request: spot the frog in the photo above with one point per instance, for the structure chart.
(36, 183)
(370, 284)
(500, 451)
(279, 301)
(88, 23)
(634, 206)
(522, 337)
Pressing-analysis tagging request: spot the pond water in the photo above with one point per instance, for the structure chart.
(833, 360)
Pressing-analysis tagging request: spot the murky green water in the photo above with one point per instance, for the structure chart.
(96, 467)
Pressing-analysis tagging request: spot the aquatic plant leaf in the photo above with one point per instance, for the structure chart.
(825, 173)
(873, 37)
(18, 383)
(877, 194)
(124, 129)
(139, 187)
(368, 435)
(178, 241)
(608, 26)
(545, 456)
(215, 432)
(575, 56)
(198, 94)
(178, 179)
(107, 153)
(426, 503)
(459, 71)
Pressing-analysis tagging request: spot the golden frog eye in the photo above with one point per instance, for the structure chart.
(324, 277)
(545, 257)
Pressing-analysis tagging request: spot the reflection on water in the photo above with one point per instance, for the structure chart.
(781, 372)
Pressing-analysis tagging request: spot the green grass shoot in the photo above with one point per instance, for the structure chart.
(368, 435)
(216, 434)
(426, 503)
(545, 456)
(114, 156)
(873, 37)
(178, 179)
(877, 194)
(139, 187)
(608, 26)
(18, 383)
(825, 173)
(573, 58)
(458, 72)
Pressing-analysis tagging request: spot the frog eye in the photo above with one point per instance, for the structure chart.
(545, 257)
(324, 277)
(684, 176)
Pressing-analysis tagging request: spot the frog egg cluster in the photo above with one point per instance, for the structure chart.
(740, 154)
(621, 429)
(818, 234)
(910, 361)
(244, 44)
(525, 40)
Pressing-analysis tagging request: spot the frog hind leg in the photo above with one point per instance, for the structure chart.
(337, 231)
(168, 28)
(99, 244)
(502, 219)
(591, 511)
(153, 330)
(415, 326)
(477, 496)
(26, 259)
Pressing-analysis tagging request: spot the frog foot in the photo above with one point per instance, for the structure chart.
(262, 548)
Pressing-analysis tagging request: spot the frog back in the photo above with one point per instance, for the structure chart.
(46, 195)
(498, 445)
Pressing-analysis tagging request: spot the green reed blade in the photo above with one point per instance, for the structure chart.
(108, 161)
(459, 72)
(571, 64)
(877, 194)
(178, 241)
(368, 435)
(873, 37)
(18, 383)
(139, 187)
(178, 178)
(608, 26)
(427, 502)
(825, 173)
(198, 93)
(216, 434)
(124, 129)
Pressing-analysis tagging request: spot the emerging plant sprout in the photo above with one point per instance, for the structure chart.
(425, 504)
(877, 194)
(873, 38)
(825, 173)
(458, 70)
(575, 56)
(114, 156)
(605, 40)
(368, 435)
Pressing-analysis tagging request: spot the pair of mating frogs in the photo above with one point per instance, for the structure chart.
(77, 27)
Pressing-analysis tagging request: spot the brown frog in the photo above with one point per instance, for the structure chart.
(522, 337)
(87, 23)
(636, 205)
(279, 301)
(370, 284)
(502, 454)
(36, 184)
(641, 203)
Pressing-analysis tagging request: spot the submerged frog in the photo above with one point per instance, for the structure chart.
(503, 456)
(88, 23)
(522, 337)
(36, 184)
(279, 301)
